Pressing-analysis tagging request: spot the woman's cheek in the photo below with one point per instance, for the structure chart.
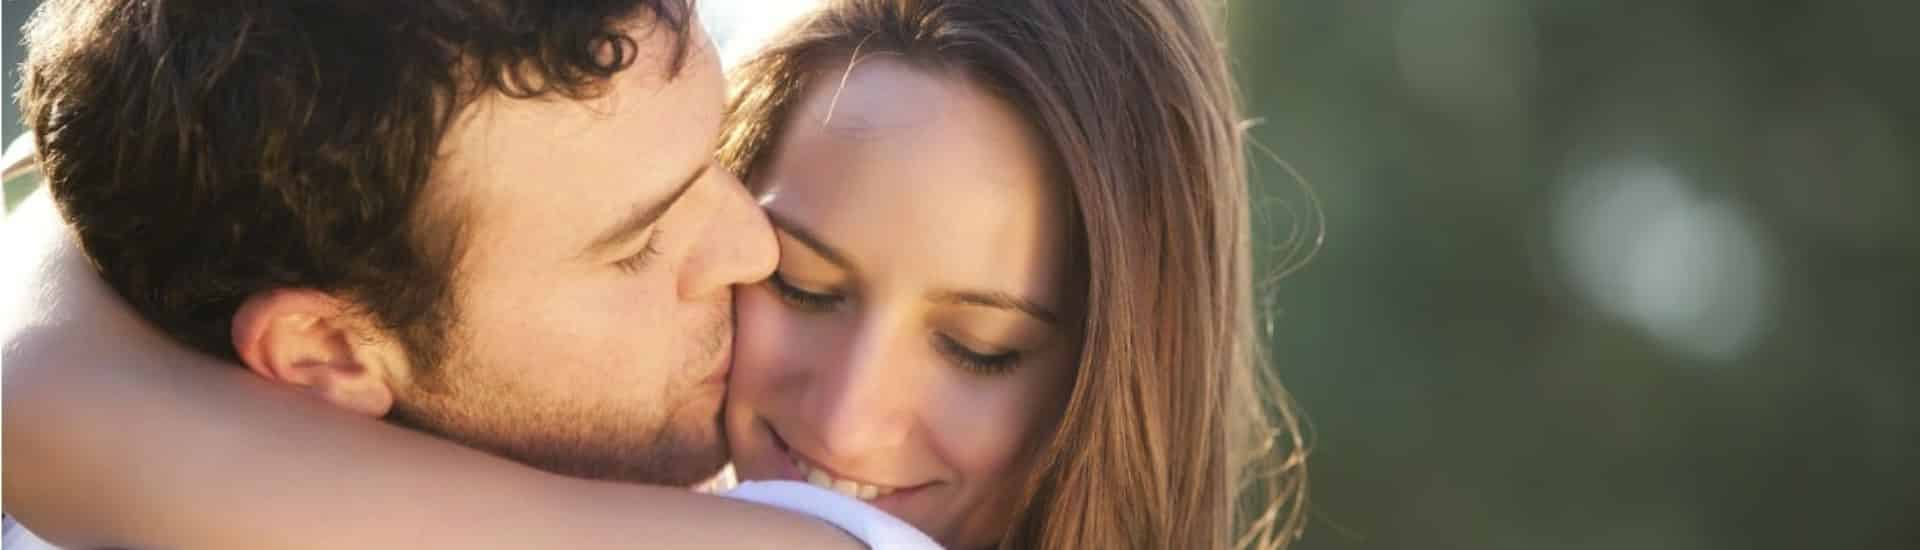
(982, 426)
(759, 335)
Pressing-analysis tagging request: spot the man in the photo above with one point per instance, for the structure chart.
(493, 221)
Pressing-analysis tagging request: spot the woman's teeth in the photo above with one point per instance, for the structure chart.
(855, 489)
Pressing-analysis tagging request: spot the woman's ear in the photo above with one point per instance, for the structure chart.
(318, 342)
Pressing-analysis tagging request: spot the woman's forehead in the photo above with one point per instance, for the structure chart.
(878, 94)
(922, 174)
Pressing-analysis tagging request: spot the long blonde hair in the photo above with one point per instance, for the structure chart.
(1164, 441)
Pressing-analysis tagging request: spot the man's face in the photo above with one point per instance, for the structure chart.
(593, 321)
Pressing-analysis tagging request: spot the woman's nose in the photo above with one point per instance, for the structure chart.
(864, 403)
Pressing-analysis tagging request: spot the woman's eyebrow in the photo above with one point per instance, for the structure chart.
(995, 299)
(831, 254)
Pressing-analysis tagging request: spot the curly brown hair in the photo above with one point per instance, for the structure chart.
(205, 151)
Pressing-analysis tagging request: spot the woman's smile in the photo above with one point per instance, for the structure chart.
(803, 468)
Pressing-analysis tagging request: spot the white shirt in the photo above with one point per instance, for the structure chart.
(14, 536)
(877, 529)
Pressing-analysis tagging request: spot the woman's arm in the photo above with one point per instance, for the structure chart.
(116, 436)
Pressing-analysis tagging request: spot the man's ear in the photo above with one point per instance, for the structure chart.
(315, 341)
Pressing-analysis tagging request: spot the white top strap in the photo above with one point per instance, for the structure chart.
(877, 529)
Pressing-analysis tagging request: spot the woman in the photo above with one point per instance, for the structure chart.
(1013, 306)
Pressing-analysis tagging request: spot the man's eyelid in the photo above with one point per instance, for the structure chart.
(641, 244)
(642, 218)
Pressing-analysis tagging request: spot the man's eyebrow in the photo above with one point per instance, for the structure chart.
(995, 299)
(642, 216)
(831, 254)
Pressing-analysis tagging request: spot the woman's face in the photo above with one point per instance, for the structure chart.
(919, 332)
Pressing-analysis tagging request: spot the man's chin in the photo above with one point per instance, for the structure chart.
(682, 461)
(689, 461)
(679, 455)
(698, 446)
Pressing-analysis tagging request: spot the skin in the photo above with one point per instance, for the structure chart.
(133, 445)
(592, 339)
(915, 336)
(628, 227)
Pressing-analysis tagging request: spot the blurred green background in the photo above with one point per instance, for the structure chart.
(1600, 274)
(1597, 274)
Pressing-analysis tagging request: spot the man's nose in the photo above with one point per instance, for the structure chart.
(736, 245)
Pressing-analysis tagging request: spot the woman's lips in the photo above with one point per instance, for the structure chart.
(801, 468)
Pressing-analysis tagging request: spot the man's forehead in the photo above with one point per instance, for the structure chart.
(520, 162)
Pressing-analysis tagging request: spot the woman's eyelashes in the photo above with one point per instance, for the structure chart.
(988, 363)
(960, 355)
(802, 299)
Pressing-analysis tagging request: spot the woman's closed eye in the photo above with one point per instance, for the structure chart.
(803, 299)
(968, 357)
(986, 363)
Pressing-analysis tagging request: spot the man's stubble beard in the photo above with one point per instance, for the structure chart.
(459, 398)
